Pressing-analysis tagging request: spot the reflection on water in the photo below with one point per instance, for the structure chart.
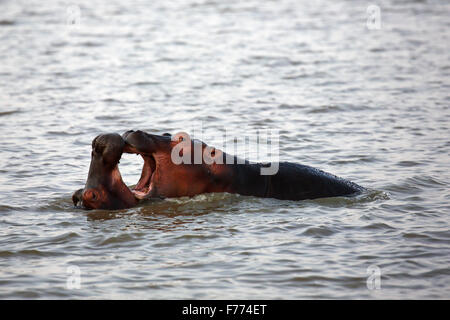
(368, 105)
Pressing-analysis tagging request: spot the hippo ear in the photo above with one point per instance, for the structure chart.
(167, 134)
(94, 141)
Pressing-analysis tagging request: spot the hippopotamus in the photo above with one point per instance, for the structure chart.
(172, 168)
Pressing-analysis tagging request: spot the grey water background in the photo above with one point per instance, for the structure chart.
(370, 105)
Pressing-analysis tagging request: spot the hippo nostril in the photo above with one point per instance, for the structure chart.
(91, 195)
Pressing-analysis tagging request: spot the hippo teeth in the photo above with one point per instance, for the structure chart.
(143, 193)
(139, 194)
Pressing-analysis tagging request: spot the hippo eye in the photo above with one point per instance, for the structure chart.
(180, 139)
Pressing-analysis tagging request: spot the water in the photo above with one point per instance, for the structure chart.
(368, 105)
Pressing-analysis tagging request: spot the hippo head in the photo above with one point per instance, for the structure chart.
(163, 174)
(104, 187)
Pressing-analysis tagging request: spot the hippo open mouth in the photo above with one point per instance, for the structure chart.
(104, 188)
(143, 188)
(147, 146)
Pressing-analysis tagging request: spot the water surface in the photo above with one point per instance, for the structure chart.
(368, 105)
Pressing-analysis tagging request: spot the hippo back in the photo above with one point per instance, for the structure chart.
(298, 182)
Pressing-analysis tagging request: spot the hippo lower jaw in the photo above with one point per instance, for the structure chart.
(104, 188)
(142, 190)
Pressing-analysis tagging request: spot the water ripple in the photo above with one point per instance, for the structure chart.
(369, 106)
